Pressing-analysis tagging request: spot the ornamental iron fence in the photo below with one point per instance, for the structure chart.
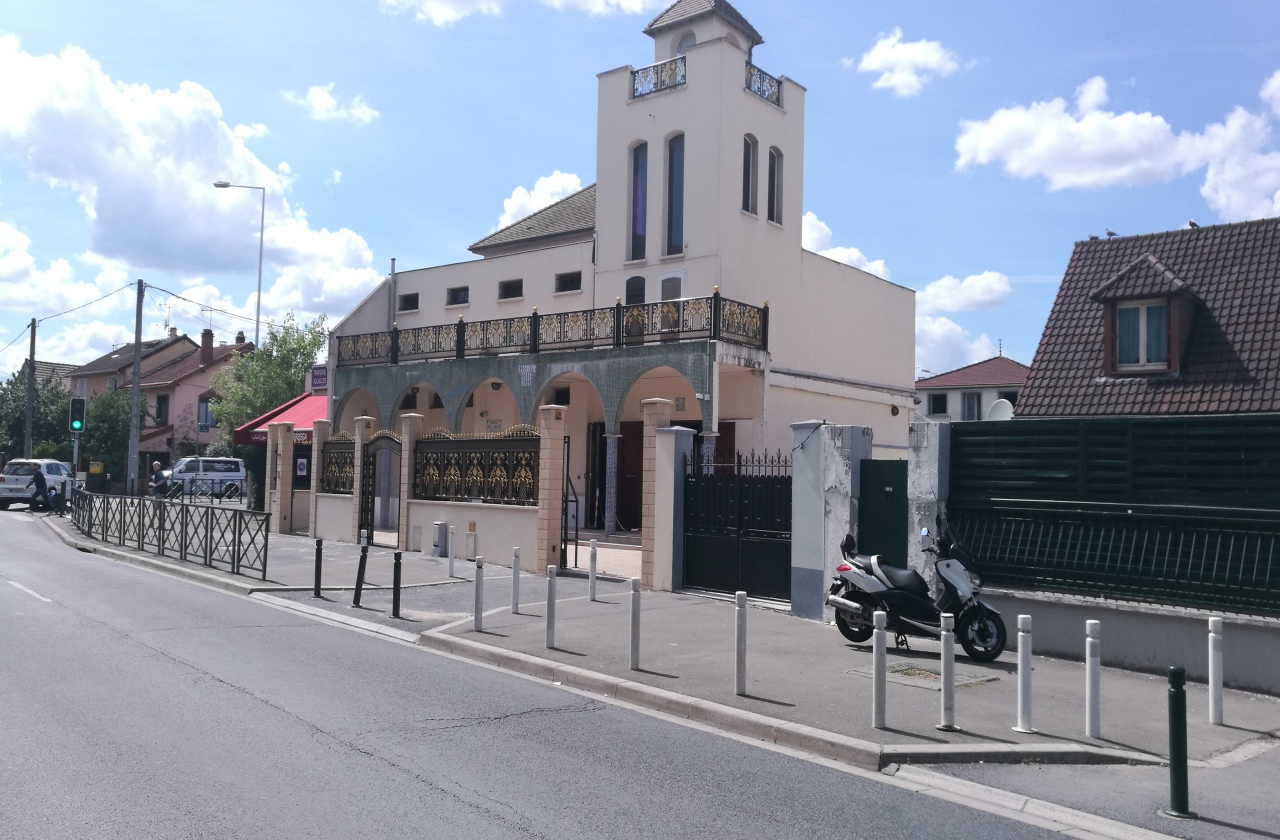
(763, 85)
(496, 469)
(338, 467)
(661, 76)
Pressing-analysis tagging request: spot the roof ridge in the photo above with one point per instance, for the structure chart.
(1182, 230)
(973, 365)
(534, 215)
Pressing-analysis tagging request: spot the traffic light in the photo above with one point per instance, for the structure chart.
(76, 421)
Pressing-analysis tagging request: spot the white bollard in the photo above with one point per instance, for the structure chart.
(1024, 675)
(452, 548)
(479, 617)
(364, 538)
(551, 606)
(1215, 671)
(948, 675)
(878, 666)
(740, 643)
(635, 624)
(1093, 679)
(591, 573)
(515, 581)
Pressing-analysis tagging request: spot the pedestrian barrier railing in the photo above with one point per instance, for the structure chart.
(220, 490)
(229, 537)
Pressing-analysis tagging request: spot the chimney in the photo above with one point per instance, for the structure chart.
(173, 332)
(240, 337)
(206, 347)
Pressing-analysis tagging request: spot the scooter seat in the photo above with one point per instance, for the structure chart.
(908, 580)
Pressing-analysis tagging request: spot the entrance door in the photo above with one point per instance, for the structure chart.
(597, 468)
(630, 474)
(380, 489)
(882, 511)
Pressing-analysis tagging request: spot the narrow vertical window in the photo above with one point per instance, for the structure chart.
(775, 186)
(749, 159)
(639, 199)
(675, 195)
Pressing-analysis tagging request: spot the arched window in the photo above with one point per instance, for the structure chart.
(686, 43)
(675, 195)
(750, 165)
(635, 291)
(775, 185)
(639, 201)
(634, 319)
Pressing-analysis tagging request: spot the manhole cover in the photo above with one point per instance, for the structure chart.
(923, 675)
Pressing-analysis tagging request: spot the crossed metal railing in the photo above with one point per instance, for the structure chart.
(218, 490)
(213, 536)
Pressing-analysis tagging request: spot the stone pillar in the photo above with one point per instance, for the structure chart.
(362, 432)
(657, 415)
(928, 486)
(826, 470)
(410, 431)
(284, 479)
(673, 446)
(611, 484)
(551, 423)
(319, 436)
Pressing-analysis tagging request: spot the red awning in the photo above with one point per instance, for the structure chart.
(301, 411)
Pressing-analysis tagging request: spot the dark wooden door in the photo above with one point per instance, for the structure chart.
(882, 511)
(630, 474)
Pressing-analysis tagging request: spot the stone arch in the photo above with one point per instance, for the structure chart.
(667, 383)
(420, 398)
(489, 405)
(355, 403)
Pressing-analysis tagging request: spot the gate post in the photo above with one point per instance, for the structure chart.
(657, 415)
(319, 437)
(825, 470)
(551, 423)
(364, 428)
(673, 445)
(928, 482)
(280, 467)
(410, 431)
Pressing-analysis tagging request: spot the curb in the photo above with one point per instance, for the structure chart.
(337, 618)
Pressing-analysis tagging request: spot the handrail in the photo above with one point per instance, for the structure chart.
(656, 77)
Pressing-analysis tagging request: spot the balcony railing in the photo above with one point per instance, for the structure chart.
(656, 77)
(767, 87)
(691, 319)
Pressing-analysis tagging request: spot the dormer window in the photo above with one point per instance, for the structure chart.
(1142, 335)
(1146, 316)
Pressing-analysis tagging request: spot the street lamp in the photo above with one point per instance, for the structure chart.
(262, 228)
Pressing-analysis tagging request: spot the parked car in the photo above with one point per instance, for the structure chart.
(16, 477)
(216, 477)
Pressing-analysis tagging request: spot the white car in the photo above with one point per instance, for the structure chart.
(16, 477)
(217, 477)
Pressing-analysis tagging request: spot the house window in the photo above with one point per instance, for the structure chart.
(972, 405)
(750, 157)
(407, 303)
(633, 320)
(162, 409)
(561, 396)
(686, 43)
(570, 282)
(639, 200)
(775, 186)
(635, 291)
(113, 383)
(675, 195)
(410, 401)
(510, 289)
(204, 413)
(937, 403)
(1010, 396)
(457, 296)
(1142, 335)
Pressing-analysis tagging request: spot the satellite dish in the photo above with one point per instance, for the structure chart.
(1000, 410)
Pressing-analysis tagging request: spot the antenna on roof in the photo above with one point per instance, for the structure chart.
(1001, 346)
(208, 310)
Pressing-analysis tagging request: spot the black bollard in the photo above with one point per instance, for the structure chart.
(364, 559)
(395, 587)
(319, 564)
(1178, 805)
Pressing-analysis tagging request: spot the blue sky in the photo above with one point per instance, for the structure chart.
(958, 148)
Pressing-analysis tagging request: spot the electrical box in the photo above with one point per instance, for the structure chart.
(439, 539)
(471, 545)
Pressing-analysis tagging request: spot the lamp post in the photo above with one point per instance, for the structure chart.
(262, 228)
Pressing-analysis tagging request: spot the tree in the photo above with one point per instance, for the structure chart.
(106, 430)
(49, 419)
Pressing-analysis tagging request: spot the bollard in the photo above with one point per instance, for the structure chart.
(364, 559)
(515, 581)
(395, 586)
(1093, 679)
(635, 624)
(551, 606)
(453, 548)
(591, 573)
(1178, 804)
(319, 563)
(878, 669)
(740, 644)
(1024, 675)
(1215, 671)
(363, 538)
(479, 616)
(948, 723)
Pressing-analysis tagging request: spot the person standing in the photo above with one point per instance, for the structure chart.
(159, 484)
(42, 488)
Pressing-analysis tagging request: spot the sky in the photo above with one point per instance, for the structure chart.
(960, 149)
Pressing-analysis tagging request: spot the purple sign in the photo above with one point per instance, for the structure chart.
(319, 377)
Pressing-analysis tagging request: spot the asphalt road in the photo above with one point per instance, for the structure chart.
(135, 705)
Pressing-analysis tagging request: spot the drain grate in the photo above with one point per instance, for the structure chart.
(923, 675)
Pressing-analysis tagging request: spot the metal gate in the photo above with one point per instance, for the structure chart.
(882, 511)
(381, 442)
(737, 525)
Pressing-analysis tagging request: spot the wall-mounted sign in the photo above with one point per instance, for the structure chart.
(319, 377)
(302, 466)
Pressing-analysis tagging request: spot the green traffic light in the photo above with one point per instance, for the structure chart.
(76, 425)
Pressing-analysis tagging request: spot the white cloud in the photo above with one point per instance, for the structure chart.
(547, 191)
(943, 345)
(73, 344)
(1089, 147)
(23, 285)
(977, 291)
(321, 104)
(904, 68)
(334, 179)
(816, 236)
(445, 12)
(1270, 92)
(248, 132)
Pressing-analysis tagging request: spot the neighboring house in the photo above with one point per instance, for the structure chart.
(967, 393)
(678, 275)
(114, 370)
(54, 372)
(1177, 323)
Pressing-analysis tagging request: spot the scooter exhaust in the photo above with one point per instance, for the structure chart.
(848, 606)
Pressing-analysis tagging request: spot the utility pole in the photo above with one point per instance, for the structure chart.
(131, 487)
(31, 393)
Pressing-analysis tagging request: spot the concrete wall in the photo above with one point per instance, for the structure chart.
(499, 528)
(955, 401)
(793, 399)
(333, 517)
(301, 511)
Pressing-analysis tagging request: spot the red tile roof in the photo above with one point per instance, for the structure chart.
(302, 412)
(989, 374)
(184, 366)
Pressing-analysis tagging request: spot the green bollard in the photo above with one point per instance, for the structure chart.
(1178, 806)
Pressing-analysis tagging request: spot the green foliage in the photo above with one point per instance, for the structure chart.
(106, 431)
(49, 417)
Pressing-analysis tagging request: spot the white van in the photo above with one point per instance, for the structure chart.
(207, 477)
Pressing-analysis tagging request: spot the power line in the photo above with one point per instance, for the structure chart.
(25, 330)
(281, 327)
(83, 305)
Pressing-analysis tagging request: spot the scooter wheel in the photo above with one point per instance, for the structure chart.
(982, 635)
(856, 633)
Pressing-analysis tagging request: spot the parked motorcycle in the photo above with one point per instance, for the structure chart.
(863, 585)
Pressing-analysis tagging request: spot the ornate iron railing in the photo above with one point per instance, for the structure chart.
(621, 325)
(338, 467)
(227, 536)
(763, 85)
(656, 77)
(497, 470)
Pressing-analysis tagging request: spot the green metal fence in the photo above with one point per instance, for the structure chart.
(1176, 510)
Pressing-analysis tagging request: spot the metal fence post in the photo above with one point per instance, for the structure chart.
(1024, 675)
(1093, 679)
(591, 573)
(237, 533)
(319, 566)
(551, 606)
(360, 569)
(740, 643)
(948, 722)
(1215, 671)
(266, 540)
(208, 536)
(142, 523)
(453, 548)
(478, 621)
(878, 667)
(515, 581)
(1179, 806)
(395, 586)
(182, 532)
(635, 624)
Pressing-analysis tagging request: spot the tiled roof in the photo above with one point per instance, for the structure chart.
(574, 214)
(686, 9)
(1232, 358)
(995, 371)
(122, 356)
(183, 367)
(48, 371)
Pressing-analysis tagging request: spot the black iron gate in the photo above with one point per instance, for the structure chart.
(882, 511)
(737, 525)
(368, 475)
